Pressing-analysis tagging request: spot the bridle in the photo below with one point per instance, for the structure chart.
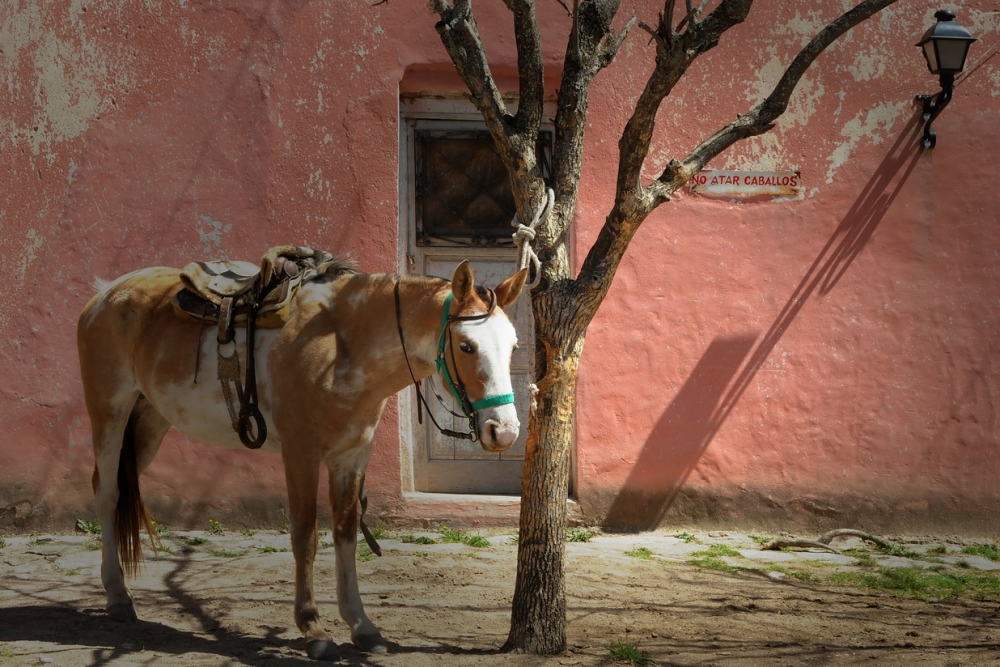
(455, 385)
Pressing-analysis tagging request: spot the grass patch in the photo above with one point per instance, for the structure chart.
(224, 554)
(989, 551)
(380, 531)
(92, 545)
(964, 564)
(3, 543)
(421, 554)
(922, 584)
(92, 527)
(39, 541)
(761, 540)
(249, 532)
(422, 539)
(165, 550)
(195, 541)
(714, 563)
(628, 652)
(717, 550)
(939, 550)
(161, 529)
(803, 575)
(477, 541)
(72, 573)
(861, 556)
(515, 538)
(640, 552)
(578, 535)
(6, 651)
(899, 550)
(365, 554)
(325, 545)
(687, 538)
(216, 527)
(453, 536)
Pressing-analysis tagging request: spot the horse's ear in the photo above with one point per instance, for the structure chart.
(462, 282)
(508, 291)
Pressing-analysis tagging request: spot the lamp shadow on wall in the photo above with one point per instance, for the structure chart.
(726, 369)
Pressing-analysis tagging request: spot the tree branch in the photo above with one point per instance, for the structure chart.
(674, 54)
(460, 37)
(760, 118)
(592, 46)
(633, 202)
(531, 75)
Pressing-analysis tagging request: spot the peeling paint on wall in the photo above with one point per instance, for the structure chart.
(874, 125)
(211, 236)
(66, 80)
(30, 251)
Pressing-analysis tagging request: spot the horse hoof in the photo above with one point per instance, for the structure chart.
(371, 643)
(322, 649)
(123, 613)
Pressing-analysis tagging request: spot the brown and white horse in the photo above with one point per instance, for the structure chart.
(323, 381)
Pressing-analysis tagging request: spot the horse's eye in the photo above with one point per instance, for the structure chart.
(466, 347)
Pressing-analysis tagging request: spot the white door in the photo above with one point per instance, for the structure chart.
(456, 204)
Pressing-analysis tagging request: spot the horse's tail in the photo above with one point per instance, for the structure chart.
(131, 514)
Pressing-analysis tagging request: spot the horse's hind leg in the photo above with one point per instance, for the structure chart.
(125, 443)
(346, 478)
(109, 422)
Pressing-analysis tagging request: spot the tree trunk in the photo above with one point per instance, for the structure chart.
(538, 618)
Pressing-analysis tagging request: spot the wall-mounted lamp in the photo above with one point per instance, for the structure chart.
(944, 46)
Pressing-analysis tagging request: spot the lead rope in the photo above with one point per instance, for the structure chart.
(525, 234)
(527, 259)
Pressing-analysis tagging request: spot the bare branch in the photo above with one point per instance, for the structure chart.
(653, 34)
(760, 119)
(591, 47)
(569, 12)
(673, 57)
(531, 77)
(633, 203)
(610, 46)
(460, 36)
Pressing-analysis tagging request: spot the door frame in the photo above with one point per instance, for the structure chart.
(450, 112)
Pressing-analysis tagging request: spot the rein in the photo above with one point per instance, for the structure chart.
(455, 385)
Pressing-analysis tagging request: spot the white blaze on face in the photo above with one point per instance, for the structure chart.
(494, 339)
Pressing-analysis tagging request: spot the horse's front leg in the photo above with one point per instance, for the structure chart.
(345, 484)
(302, 478)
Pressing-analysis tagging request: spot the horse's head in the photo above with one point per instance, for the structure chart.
(478, 351)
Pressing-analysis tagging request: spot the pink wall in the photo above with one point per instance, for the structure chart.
(824, 361)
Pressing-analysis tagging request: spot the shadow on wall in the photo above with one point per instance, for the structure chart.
(709, 395)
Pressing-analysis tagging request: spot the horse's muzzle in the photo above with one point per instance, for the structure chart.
(496, 436)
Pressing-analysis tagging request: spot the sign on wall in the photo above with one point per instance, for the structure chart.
(747, 183)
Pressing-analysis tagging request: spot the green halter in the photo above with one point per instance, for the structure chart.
(456, 389)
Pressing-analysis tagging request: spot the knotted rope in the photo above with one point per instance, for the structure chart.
(527, 259)
(525, 234)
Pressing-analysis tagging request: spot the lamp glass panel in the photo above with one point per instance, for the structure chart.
(951, 54)
(931, 55)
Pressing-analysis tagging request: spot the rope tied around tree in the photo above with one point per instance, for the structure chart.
(525, 234)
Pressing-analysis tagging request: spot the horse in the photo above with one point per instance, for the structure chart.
(351, 341)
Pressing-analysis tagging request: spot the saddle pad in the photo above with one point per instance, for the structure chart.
(217, 280)
(272, 314)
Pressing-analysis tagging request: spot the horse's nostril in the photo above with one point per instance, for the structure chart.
(493, 432)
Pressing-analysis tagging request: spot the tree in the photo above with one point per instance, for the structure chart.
(563, 304)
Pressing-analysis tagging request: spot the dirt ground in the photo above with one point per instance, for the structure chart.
(226, 600)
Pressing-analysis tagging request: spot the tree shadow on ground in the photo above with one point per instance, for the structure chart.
(710, 394)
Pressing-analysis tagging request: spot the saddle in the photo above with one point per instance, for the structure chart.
(231, 294)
